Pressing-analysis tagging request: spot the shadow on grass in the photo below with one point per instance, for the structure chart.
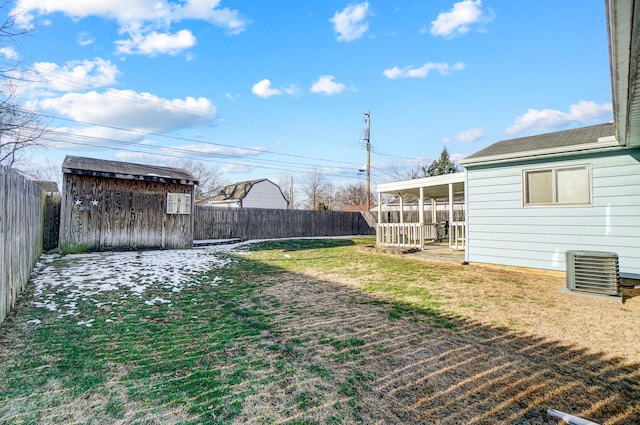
(300, 244)
(271, 346)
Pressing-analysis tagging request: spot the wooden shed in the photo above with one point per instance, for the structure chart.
(110, 205)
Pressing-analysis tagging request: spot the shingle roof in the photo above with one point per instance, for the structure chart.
(236, 190)
(125, 170)
(576, 136)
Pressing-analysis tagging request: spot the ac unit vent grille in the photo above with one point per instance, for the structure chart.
(593, 271)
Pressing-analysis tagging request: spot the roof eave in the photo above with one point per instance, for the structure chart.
(149, 178)
(624, 45)
(603, 144)
(444, 179)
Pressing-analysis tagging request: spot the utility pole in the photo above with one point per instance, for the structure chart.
(367, 138)
(291, 194)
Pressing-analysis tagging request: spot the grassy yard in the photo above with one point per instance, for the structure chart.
(310, 332)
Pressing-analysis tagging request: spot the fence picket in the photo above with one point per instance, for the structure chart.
(257, 223)
(21, 228)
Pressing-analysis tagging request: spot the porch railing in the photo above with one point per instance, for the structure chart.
(456, 235)
(414, 235)
(410, 235)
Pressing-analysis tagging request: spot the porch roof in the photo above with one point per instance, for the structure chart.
(434, 187)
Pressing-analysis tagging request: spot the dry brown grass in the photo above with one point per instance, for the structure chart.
(492, 345)
(519, 348)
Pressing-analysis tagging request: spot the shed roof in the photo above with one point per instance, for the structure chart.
(126, 170)
(560, 142)
(47, 186)
(238, 190)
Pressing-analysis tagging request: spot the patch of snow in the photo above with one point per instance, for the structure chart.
(157, 300)
(86, 323)
(65, 283)
(34, 321)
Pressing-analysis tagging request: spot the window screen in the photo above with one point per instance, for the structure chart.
(557, 186)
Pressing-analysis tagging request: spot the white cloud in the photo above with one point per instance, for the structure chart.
(349, 24)
(458, 20)
(9, 53)
(551, 119)
(154, 43)
(423, 71)
(132, 110)
(326, 85)
(141, 157)
(263, 89)
(146, 22)
(235, 168)
(72, 76)
(85, 39)
(471, 135)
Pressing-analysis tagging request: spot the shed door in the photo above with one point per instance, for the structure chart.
(132, 220)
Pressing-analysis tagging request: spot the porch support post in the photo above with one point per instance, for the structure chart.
(421, 216)
(450, 214)
(434, 207)
(401, 209)
(378, 228)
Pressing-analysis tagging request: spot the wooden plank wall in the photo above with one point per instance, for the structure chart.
(106, 213)
(51, 220)
(21, 229)
(258, 223)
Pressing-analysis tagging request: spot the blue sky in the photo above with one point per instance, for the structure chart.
(278, 88)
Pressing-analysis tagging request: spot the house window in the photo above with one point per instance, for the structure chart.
(558, 186)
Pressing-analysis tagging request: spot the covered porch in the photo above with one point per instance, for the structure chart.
(427, 211)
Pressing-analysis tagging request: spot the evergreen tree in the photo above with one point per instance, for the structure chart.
(444, 165)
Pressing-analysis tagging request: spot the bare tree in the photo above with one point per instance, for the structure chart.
(209, 178)
(20, 129)
(317, 189)
(47, 171)
(286, 186)
(353, 194)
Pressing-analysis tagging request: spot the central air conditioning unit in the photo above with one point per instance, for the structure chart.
(593, 271)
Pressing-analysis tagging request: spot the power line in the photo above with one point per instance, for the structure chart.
(340, 172)
(185, 139)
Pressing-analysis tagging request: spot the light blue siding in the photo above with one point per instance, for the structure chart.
(502, 231)
(265, 194)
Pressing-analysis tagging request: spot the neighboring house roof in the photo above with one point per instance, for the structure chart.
(126, 170)
(47, 186)
(237, 190)
(354, 207)
(589, 138)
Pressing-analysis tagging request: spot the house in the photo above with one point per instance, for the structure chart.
(531, 199)
(261, 193)
(119, 205)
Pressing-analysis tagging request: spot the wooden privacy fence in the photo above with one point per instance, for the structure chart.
(21, 229)
(51, 230)
(257, 223)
